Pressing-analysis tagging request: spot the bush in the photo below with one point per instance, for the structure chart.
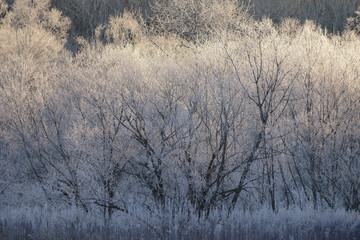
(199, 20)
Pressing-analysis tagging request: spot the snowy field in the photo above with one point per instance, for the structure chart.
(40, 223)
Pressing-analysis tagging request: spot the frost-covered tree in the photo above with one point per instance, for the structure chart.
(198, 114)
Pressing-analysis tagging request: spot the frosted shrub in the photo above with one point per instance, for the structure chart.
(86, 16)
(29, 13)
(124, 29)
(31, 34)
(199, 20)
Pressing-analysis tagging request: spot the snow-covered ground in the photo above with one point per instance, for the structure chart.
(42, 223)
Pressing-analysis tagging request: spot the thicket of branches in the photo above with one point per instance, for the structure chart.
(86, 15)
(198, 106)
